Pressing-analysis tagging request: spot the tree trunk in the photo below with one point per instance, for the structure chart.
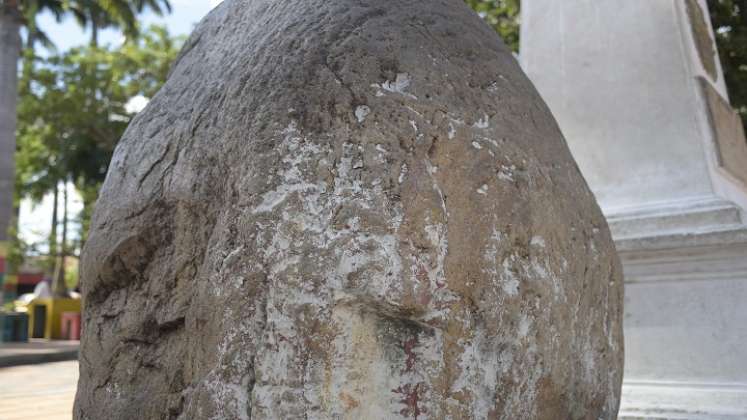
(53, 228)
(94, 33)
(60, 288)
(10, 52)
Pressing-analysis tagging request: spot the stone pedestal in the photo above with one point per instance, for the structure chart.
(638, 91)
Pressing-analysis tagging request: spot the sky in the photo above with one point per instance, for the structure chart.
(35, 220)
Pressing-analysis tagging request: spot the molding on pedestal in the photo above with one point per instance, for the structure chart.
(696, 222)
(653, 400)
(702, 263)
(725, 237)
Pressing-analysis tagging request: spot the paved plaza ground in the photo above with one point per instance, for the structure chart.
(38, 392)
(37, 351)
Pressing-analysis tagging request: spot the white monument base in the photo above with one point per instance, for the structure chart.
(638, 91)
(686, 318)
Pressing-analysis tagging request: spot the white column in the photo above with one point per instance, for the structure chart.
(638, 91)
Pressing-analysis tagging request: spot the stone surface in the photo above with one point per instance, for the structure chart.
(348, 209)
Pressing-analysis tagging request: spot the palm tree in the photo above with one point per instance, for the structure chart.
(11, 20)
(15, 14)
(10, 51)
(101, 14)
(31, 9)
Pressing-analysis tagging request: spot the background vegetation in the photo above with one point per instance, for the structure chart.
(729, 19)
(503, 16)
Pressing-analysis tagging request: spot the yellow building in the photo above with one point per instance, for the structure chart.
(45, 316)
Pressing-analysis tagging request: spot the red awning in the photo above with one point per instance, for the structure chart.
(32, 279)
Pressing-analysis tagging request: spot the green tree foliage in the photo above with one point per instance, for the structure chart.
(76, 110)
(30, 9)
(503, 16)
(121, 14)
(729, 19)
(17, 14)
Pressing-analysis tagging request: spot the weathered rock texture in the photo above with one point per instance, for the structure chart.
(348, 209)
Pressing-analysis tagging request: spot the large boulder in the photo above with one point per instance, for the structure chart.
(348, 209)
